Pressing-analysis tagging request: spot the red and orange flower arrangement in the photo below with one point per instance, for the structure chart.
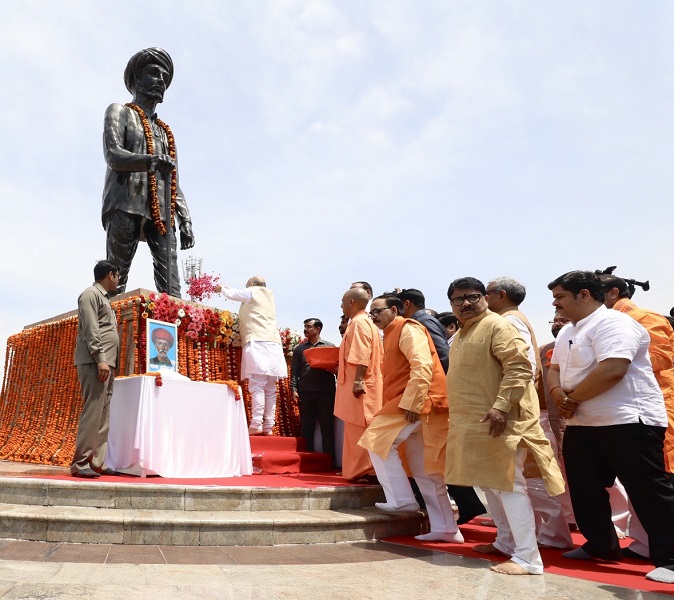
(40, 400)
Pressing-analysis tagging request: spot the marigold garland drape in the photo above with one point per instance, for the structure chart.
(40, 400)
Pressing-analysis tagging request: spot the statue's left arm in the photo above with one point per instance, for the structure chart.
(183, 213)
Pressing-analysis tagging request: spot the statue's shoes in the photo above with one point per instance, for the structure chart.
(440, 536)
(413, 507)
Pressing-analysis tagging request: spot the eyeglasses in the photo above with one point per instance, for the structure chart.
(375, 312)
(459, 300)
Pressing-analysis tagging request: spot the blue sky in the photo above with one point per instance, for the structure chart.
(404, 143)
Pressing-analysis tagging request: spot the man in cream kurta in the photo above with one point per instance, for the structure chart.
(494, 417)
(262, 360)
(414, 414)
(359, 382)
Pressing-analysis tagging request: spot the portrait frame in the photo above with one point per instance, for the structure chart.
(151, 354)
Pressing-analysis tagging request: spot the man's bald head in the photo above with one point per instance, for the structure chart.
(353, 301)
(256, 280)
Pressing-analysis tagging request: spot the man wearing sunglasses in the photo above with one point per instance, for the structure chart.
(494, 422)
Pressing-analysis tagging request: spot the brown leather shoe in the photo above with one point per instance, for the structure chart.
(86, 473)
(488, 549)
(107, 471)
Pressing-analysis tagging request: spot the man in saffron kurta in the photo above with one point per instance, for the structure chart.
(414, 414)
(359, 382)
(494, 416)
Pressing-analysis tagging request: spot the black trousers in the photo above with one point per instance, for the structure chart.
(594, 457)
(467, 501)
(318, 406)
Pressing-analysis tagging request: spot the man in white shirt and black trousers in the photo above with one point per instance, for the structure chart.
(602, 381)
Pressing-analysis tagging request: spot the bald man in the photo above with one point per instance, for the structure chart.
(359, 382)
(262, 359)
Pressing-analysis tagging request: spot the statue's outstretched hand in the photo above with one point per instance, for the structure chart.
(186, 235)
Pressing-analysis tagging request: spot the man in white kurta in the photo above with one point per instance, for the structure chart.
(262, 360)
(504, 296)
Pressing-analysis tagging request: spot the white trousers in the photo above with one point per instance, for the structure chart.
(620, 510)
(515, 522)
(397, 488)
(262, 389)
(564, 498)
(552, 527)
(638, 534)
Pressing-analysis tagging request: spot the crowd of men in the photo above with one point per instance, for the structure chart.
(434, 405)
(466, 398)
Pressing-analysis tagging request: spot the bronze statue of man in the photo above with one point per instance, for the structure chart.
(141, 180)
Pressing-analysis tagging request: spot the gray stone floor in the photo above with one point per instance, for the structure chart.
(353, 571)
(363, 571)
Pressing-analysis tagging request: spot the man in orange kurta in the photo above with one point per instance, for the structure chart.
(415, 415)
(359, 382)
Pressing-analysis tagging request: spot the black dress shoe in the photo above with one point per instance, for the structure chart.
(107, 471)
(627, 553)
(463, 520)
(86, 473)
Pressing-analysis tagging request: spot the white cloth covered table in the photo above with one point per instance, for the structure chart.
(182, 429)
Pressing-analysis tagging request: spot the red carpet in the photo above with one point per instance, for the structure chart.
(628, 573)
(278, 455)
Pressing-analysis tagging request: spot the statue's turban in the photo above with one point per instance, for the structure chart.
(155, 56)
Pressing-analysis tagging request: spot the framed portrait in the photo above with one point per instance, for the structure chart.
(162, 346)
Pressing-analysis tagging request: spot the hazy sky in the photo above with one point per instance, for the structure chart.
(406, 143)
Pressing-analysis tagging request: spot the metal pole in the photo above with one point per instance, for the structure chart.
(169, 232)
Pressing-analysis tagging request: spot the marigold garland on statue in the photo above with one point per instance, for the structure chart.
(151, 176)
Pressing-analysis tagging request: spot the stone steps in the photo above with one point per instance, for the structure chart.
(100, 512)
(201, 528)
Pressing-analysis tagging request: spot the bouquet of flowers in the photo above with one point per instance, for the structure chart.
(201, 288)
(290, 339)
